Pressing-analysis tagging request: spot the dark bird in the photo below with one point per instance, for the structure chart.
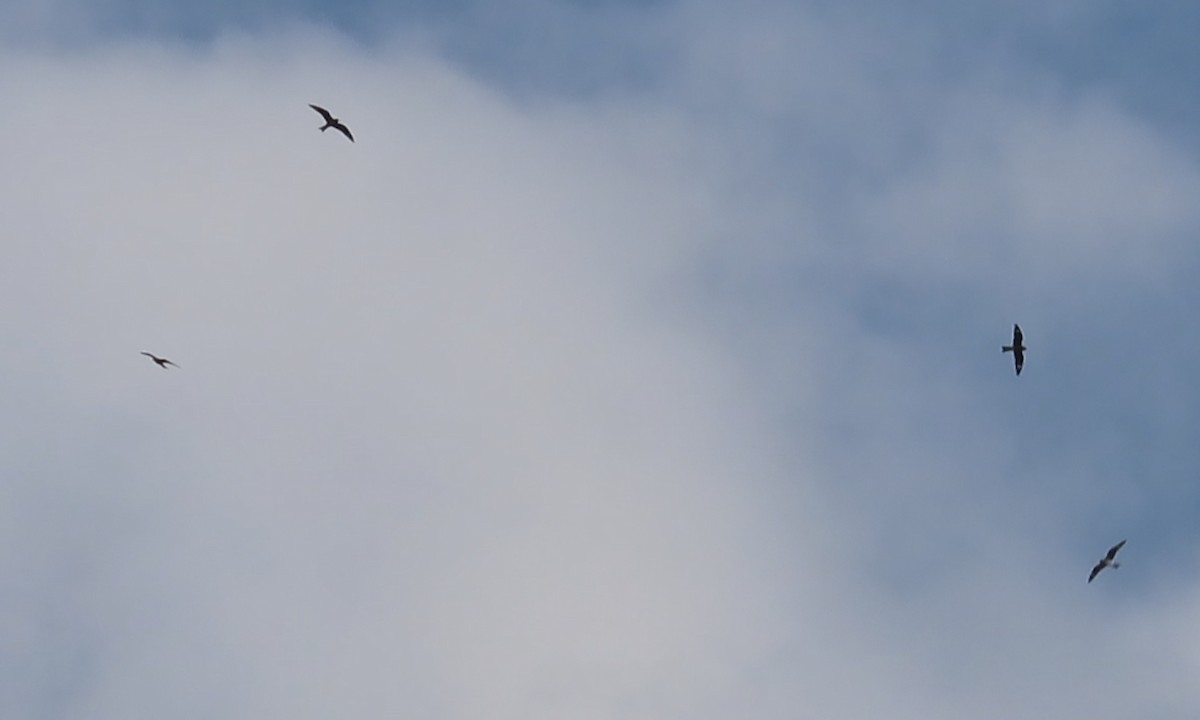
(1017, 348)
(162, 362)
(1110, 560)
(331, 121)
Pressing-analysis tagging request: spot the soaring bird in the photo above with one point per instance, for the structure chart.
(331, 121)
(1110, 560)
(1017, 348)
(162, 362)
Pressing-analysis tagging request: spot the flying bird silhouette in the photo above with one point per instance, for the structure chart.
(331, 121)
(1017, 348)
(1110, 560)
(162, 362)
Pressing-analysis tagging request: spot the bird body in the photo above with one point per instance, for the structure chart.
(162, 362)
(1109, 560)
(1017, 348)
(331, 121)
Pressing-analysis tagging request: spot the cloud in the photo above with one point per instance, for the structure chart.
(677, 398)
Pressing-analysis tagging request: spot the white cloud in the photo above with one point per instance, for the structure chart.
(517, 408)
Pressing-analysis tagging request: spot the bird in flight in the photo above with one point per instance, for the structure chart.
(331, 121)
(162, 362)
(1017, 348)
(1110, 560)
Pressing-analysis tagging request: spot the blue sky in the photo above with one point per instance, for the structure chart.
(638, 360)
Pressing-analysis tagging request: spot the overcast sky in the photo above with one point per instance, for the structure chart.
(640, 360)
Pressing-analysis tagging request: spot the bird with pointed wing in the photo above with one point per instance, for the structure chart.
(1017, 348)
(1109, 561)
(331, 121)
(162, 362)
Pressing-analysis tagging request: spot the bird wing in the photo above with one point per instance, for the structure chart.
(324, 113)
(1017, 336)
(1018, 358)
(149, 355)
(345, 130)
(1112, 552)
(1096, 571)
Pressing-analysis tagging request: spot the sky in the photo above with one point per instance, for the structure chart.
(638, 360)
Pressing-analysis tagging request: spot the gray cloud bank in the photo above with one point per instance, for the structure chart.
(678, 400)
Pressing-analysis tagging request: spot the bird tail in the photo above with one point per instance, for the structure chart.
(1006, 348)
(1116, 564)
(325, 127)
